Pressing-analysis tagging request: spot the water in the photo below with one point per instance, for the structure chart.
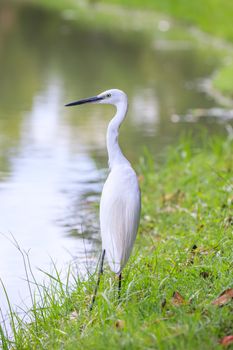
(52, 159)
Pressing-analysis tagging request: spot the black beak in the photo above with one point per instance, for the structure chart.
(85, 100)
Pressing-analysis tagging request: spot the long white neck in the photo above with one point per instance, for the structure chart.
(115, 155)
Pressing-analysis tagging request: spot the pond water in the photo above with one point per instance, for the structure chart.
(53, 160)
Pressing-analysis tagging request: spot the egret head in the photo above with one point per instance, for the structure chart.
(113, 97)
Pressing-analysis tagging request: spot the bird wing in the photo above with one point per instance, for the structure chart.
(119, 216)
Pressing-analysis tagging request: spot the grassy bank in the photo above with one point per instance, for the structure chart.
(181, 263)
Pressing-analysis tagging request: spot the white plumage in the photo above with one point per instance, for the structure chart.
(120, 201)
(119, 215)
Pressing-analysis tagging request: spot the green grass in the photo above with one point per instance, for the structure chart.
(184, 245)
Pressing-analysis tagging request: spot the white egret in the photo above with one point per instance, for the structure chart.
(120, 200)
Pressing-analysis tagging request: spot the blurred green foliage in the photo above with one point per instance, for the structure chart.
(213, 16)
(210, 16)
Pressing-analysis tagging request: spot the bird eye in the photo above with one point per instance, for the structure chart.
(108, 95)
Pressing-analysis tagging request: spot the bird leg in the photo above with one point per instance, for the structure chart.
(119, 286)
(98, 280)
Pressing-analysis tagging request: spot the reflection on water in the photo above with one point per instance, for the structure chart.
(53, 160)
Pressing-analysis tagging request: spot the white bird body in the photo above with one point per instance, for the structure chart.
(120, 201)
(119, 215)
